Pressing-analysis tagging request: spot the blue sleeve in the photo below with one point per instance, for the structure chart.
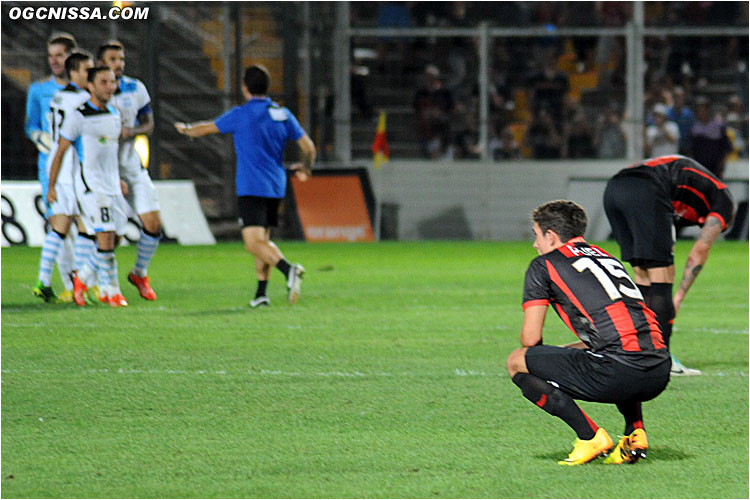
(229, 121)
(293, 128)
(33, 111)
(145, 110)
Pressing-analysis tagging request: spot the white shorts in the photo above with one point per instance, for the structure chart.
(104, 212)
(66, 203)
(142, 196)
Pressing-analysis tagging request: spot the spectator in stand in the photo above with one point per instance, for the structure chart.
(683, 117)
(578, 141)
(548, 88)
(434, 107)
(393, 15)
(466, 144)
(709, 141)
(734, 131)
(663, 135)
(504, 146)
(610, 140)
(542, 136)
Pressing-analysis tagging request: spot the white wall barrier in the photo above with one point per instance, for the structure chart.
(182, 217)
(494, 200)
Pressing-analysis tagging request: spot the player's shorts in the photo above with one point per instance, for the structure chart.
(142, 196)
(641, 216)
(103, 212)
(258, 211)
(594, 377)
(66, 203)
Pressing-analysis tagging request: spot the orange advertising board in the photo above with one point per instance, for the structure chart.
(333, 208)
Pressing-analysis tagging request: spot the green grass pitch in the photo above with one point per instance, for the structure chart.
(387, 379)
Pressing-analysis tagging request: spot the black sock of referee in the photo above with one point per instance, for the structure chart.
(284, 266)
(661, 303)
(261, 291)
(557, 403)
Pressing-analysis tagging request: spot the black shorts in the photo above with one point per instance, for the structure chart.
(641, 216)
(258, 211)
(593, 377)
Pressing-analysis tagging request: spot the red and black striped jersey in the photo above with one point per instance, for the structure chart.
(695, 192)
(594, 296)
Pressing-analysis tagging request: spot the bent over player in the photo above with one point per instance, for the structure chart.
(261, 129)
(644, 203)
(620, 358)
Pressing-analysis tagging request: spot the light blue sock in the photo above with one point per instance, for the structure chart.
(147, 245)
(106, 269)
(50, 249)
(84, 249)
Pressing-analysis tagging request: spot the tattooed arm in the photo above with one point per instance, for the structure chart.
(697, 258)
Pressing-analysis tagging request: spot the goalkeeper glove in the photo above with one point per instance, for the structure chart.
(42, 141)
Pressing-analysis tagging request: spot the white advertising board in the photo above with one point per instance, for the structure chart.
(182, 217)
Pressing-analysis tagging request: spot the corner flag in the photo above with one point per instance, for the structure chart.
(380, 144)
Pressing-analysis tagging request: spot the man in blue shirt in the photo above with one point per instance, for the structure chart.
(261, 129)
(683, 117)
(38, 128)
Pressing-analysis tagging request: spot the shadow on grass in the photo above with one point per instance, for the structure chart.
(24, 307)
(660, 453)
(226, 310)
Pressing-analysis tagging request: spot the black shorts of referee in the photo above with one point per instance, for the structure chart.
(642, 220)
(258, 211)
(588, 376)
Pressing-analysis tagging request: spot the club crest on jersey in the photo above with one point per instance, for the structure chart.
(277, 114)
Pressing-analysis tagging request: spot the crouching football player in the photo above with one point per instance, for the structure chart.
(620, 358)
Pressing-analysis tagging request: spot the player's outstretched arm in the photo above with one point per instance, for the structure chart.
(533, 322)
(697, 258)
(198, 129)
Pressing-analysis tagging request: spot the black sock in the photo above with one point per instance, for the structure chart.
(261, 291)
(633, 416)
(557, 403)
(646, 292)
(284, 266)
(662, 305)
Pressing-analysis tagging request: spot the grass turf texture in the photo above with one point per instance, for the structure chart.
(386, 380)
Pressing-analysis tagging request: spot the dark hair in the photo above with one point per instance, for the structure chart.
(74, 60)
(566, 218)
(62, 38)
(257, 79)
(95, 71)
(109, 45)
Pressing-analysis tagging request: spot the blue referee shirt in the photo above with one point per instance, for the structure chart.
(260, 129)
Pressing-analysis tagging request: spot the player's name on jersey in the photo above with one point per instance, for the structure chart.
(586, 251)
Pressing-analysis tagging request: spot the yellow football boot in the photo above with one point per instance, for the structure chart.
(586, 450)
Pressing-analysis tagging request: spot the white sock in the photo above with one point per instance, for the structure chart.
(65, 262)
